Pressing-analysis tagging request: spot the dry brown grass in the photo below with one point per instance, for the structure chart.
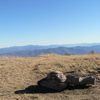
(17, 73)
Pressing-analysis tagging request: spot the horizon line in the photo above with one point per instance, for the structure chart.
(51, 44)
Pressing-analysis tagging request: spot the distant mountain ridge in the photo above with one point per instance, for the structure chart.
(35, 50)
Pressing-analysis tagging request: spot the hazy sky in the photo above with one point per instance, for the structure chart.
(24, 22)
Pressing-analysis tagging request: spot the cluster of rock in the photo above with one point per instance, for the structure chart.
(58, 81)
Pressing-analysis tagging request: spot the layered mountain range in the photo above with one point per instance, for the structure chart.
(35, 50)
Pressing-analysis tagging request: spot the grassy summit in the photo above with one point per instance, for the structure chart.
(18, 73)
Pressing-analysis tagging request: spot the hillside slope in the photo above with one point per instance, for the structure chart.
(19, 73)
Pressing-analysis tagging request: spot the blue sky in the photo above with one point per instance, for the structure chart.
(24, 22)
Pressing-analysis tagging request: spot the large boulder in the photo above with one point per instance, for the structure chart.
(58, 81)
(54, 80)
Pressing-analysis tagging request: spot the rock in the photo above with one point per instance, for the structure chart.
(89, 80)
(72, 80)
(75, 80)
(98, 70)
(58, 76)
(54, 80)
(58, 81)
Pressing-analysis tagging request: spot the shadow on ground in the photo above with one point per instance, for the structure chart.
(37, 89)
